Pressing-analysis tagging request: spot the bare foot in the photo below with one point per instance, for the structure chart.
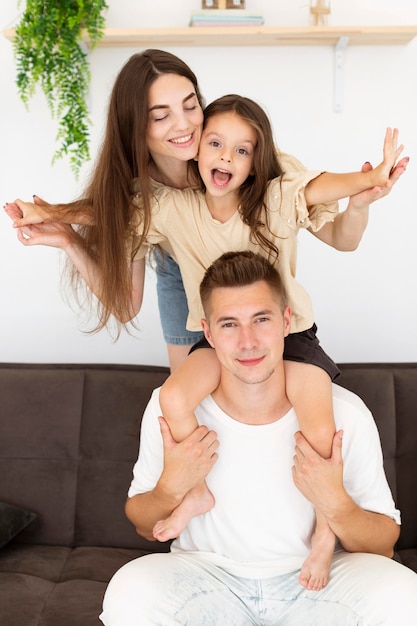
(314, 573)
(196, 502)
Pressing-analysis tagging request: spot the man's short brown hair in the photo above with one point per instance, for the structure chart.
(240, 269)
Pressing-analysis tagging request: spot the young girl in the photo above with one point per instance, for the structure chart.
(246, 201)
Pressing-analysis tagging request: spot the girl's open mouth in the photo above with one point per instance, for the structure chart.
(221, 178)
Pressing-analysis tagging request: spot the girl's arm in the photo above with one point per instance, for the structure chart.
(329, 187)
(309, 389)
(185, 388)
(345, 232)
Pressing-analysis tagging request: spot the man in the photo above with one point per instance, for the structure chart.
(238, 564)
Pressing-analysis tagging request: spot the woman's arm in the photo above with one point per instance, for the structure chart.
(93, 276)
(39, 212)
(345, 232)
(64, 237)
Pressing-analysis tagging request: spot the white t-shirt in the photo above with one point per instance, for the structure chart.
(261, 524)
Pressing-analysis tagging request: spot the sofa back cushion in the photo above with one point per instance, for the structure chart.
(390, 392)
(69, 439)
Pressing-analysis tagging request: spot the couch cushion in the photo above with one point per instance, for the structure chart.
(82, 600)
(69, 441)
(39, 447)
(114, 401)
(32, 601)
(390, 391)
(23, 598)
(54, 585)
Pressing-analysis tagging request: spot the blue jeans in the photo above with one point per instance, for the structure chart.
(172, 301)
(186, 590)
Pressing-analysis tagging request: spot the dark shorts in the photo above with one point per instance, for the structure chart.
(301, 347)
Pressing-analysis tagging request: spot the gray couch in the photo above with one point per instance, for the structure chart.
(68, 441)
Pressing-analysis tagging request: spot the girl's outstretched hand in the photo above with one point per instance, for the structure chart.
(381, 175)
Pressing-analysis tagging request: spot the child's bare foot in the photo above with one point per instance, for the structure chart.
(314, 573)
(196, 502)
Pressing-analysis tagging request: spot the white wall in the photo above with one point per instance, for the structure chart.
(365, 302)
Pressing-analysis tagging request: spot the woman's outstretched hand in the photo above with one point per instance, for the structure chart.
(51, 234)
(26, 213)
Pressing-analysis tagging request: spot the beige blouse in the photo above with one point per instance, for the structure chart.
(182, 224)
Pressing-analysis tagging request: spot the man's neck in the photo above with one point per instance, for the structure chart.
(260, 403)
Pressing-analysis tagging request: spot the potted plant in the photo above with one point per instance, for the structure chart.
(49, 51)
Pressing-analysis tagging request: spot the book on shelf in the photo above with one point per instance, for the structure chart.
(217, 17)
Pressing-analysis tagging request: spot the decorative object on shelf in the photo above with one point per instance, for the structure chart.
(223, 4)
(240, 17)
(49, 51)
(320, 10)
(222, 16)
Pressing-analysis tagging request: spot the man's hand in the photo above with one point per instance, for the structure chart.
(187, 463)
(319, 480)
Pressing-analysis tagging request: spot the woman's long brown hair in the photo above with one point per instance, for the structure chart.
(124, 156)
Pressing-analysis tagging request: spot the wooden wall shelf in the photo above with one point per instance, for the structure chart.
(254, 36)
(339, 37)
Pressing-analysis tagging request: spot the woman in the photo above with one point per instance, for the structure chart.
(152, 135)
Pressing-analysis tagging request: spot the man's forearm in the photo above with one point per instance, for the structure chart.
(359, 530)
(321, 481)
(145, 509)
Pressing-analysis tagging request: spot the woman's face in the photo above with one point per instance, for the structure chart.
(175, 118)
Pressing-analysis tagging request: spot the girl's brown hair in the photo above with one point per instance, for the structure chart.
(124, 156)
(266, 165)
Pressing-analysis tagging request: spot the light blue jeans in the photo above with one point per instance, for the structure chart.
(183, 589)
(172, 301)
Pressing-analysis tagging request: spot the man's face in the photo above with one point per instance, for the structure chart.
(247, 327)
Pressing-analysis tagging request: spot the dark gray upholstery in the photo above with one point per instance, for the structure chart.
(68, 441)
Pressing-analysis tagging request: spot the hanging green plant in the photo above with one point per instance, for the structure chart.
(49, 51)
